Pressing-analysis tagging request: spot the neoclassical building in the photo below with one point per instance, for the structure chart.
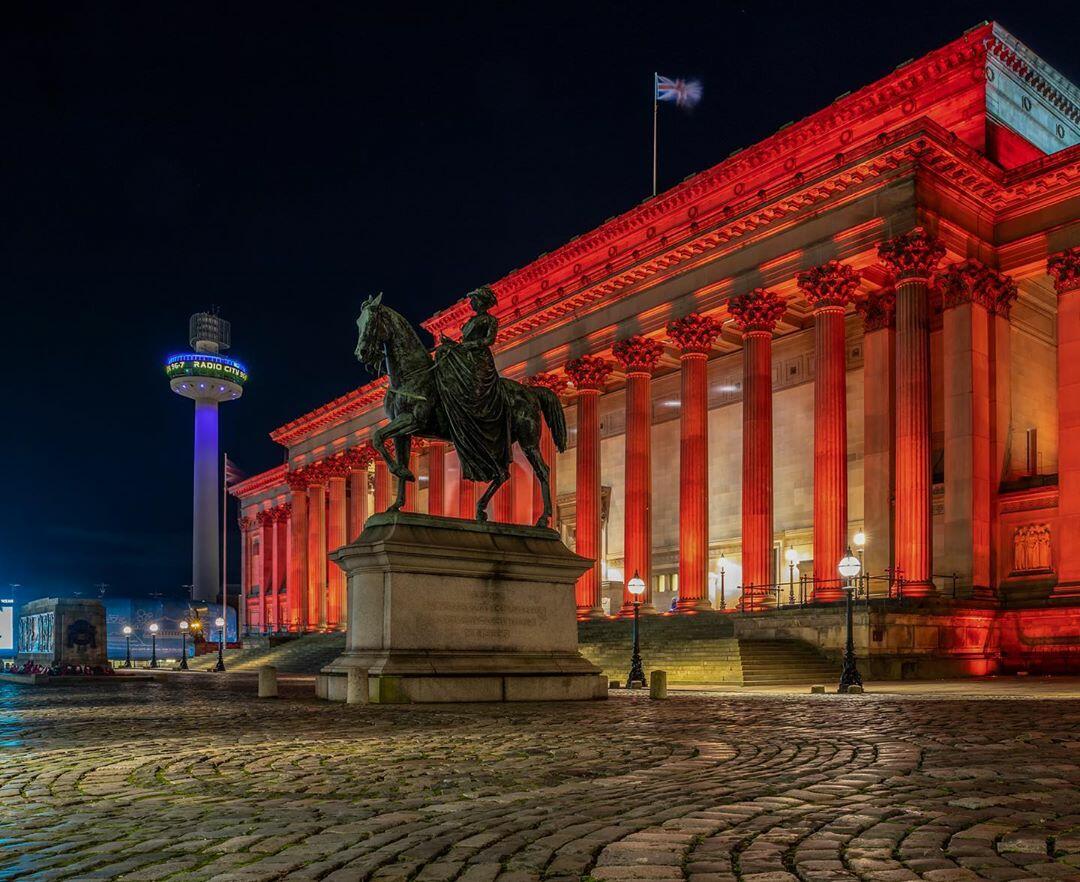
(868, 323)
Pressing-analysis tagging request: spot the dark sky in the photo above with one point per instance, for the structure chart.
(285, 160)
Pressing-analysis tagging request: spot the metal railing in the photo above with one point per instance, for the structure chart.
(807, 591)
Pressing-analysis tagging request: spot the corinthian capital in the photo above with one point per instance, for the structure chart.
(913, 255)
(694, 333)
(1064, 269)
(637, 354)
(296, 480)
(756, 311)
(832, 284)
(878, 309)
(555, 382)
(589, 372)
(970, 281)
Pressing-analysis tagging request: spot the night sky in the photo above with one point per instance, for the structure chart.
(283, 161)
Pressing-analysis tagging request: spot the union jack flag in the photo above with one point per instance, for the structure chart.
(685, 93)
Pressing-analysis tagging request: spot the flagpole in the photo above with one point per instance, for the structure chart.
(655, 116)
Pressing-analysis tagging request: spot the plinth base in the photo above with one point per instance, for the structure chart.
(449, 610)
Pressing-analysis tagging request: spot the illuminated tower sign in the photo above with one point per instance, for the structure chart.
(208, 378)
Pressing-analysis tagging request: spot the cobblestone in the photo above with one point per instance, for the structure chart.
(194, 779)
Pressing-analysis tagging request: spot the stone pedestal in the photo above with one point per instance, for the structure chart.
(62, 632)
(449, 610)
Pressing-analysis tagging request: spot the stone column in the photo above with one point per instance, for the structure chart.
(912, 258)
(970, 293)
(1001, 426)
(588, 374)
(829, 289)
(297, 585)
(756, 315)
(639, 357)
(316, 611)
(1064, 268)
(467, 497)
(337, 473)
(436, 477)
(412, 488)
(384, 485)
(502, 504)
(267, 521)
(359, 459)
(879, 431)
(556, 384)
(694, 335)
(247, 533)
(281, 514)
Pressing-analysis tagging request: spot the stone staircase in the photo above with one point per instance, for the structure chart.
(302, 655)
(784, 662)
(702, 649)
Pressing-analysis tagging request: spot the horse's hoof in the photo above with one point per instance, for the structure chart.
(542, 521)
(395, 507)
(481, 517)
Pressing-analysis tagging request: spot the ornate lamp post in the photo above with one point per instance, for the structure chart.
(153, 644)
(859, 541)
(721, 565)
(183, 645)
(792, 559)
(849, 570)
(219, 668)
(127, 639)
(636, 586)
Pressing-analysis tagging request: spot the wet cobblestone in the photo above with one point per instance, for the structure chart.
(195, 779)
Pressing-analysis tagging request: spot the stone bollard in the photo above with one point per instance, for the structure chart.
(601, 687)
(356, 686)
(614, 684)
(267, 681)
(854, 690)
(658, 684)
(817, 689)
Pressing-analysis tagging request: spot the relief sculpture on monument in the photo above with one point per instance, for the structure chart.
(1031, 549)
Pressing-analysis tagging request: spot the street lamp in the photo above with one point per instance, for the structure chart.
(153, 644)
(792, 559)
(860, 544)
(721, 564)
(183, 645)
(127, 638)
(849, 569)
(219, 668)
(636, 587)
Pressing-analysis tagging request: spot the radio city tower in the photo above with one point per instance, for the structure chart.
(208, 378)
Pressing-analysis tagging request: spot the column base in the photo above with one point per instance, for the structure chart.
(590, 612)
(693, 605)
(1066, 589)
(920, 589)
(827, 595)
(627, 611)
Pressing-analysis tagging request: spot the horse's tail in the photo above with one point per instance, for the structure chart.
(553, 415)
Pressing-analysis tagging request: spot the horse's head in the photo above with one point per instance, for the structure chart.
(371, 328)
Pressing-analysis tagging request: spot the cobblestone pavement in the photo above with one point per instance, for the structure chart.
(195, 779)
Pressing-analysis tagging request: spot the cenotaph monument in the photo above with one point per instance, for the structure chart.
(449, 609)
(62, 634)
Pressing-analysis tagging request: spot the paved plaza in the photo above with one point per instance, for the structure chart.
(195, 779)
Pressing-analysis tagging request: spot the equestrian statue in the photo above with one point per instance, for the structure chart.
(456, 395)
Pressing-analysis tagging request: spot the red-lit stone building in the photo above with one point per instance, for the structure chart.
(868, 322)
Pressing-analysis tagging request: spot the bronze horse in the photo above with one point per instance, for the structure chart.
(413, 404)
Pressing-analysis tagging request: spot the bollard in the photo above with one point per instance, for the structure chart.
(658, 684)
(613, 684)
(601, 687)
(817, 689)
(356, 686)
(267, 681)
(854, 690)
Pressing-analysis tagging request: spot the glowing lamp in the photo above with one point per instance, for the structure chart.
(849, 566)
(127, 630)
(219, 621)
(792, 556)
(860, 539)
(636, 585)
(720, 564)
(183, 625)
(153, 627)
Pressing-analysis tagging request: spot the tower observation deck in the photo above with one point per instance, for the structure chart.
(208, 378)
